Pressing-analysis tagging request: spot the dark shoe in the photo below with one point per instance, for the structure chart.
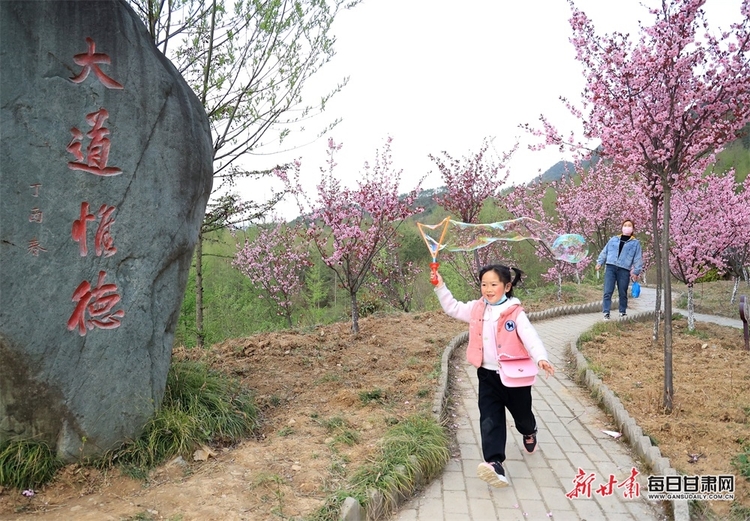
(623, 315)
(529, 442)
(493, 473)
(606, 316)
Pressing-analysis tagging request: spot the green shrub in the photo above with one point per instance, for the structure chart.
(393, 470)
(200, 406)
(712, 276)
(376, 395)
(27, 464)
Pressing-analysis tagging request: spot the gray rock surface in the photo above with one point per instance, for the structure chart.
(105, 171)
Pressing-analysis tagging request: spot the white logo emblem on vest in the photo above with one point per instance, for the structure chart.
(510, 325)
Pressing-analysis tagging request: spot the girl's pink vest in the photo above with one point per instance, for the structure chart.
(508, 341)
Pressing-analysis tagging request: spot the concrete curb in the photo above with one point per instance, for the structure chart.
(351, 510)
(640, 443)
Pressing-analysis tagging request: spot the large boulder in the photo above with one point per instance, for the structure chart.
(105, 171)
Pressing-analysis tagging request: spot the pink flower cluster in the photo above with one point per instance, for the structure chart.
(276, 260)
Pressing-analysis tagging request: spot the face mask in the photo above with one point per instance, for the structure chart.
(503, 299)
(627, 230)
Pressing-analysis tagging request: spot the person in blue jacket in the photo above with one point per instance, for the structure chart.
(623, 259)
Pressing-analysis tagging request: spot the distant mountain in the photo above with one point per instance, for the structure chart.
(561, 168)
(555, 172)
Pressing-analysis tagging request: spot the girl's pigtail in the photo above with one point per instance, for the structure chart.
(517, 278)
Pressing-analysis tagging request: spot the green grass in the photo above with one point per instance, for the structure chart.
(712, 298)
(340, 429)
(611, 328)
(27, 464)
(544, 297)
(416, 446)
(200, 406)
(742, 462)
(376, 395)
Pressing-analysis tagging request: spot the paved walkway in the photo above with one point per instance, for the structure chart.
(570, 437)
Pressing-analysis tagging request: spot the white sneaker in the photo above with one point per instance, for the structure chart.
(493, 473)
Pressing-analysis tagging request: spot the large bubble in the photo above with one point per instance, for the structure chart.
(568, 247)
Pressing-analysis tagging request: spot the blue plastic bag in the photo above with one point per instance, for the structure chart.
(635, 290)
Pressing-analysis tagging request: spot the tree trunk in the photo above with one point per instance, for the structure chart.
(657, 259)
(355, 313)
(288, 315)
(691, 309)
(559, 286)
(668, 387)
(734, 289)
(200, 334)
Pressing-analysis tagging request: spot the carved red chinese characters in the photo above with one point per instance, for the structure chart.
(94, 307)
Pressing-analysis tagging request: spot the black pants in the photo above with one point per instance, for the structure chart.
(494, 397)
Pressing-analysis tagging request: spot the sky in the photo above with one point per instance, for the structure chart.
(439, 76)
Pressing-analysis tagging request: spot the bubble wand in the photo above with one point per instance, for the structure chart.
(433, 245)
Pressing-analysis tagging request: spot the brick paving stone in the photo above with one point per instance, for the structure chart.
(471, 452)
(407, 515)
(570, 437)
(534, 509)
(453, 481)
(565, 515)
(511, 514)
(477, 489)
(453, 465)
(517, 469)
(588, 509)
(434, 490)
(455, 502)
(482, 509)
(545, 478)
(597, 454)
(526, 489)
(579, 460)
(555, 499)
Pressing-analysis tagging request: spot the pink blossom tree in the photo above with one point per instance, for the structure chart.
(596, 204)
(350, 227)
(276, 262)
(663, 106)
(708, 220)
(394, 279)
(529, 201)
(470, 181)
(738, 260)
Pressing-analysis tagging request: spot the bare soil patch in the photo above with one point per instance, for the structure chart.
(710, 421)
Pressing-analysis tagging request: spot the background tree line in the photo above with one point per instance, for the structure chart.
(589, 201)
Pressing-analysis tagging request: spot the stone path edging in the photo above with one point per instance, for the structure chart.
(641, 444)
(625, 423)
(351, 510)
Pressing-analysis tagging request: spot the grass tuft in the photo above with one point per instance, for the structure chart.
(27, 464)
(200, 406)
(416, 446)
